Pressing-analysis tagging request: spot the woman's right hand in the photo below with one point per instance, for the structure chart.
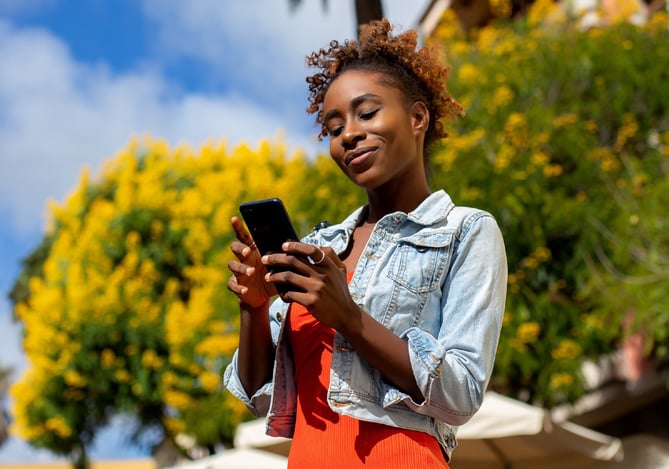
(248, 272)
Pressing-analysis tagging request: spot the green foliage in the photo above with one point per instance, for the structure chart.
(566, 142)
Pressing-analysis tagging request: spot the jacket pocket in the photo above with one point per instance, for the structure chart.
(418, 262)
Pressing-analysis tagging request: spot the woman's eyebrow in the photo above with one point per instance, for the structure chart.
(355, 102)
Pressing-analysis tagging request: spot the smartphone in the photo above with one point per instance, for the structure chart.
(269, 225)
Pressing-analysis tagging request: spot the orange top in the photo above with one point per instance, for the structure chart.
(324, 438)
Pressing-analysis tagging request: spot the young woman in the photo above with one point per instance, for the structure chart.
(385, 342)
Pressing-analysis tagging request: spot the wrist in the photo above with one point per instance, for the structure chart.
(254, 307)
(353, 327)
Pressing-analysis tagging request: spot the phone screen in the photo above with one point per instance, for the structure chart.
(270, 226)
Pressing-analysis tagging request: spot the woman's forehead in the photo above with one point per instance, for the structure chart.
(354, 83)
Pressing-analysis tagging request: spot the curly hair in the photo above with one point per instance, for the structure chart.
(417, 73)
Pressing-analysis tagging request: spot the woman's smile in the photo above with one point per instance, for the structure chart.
(360, 158)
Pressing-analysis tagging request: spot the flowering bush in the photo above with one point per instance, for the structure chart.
(566, 142)
(126, 307)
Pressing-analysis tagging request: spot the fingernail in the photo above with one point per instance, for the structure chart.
(264, 259)
(285, 245)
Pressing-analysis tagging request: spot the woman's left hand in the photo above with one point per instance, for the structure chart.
(316, 279)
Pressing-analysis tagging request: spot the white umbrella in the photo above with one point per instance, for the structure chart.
(510, 434)
(239, 458)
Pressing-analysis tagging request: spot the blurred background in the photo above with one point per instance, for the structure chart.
(131, 131)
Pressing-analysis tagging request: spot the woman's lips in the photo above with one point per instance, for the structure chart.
(359, 156)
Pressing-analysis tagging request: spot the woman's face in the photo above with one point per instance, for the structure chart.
(376, 138)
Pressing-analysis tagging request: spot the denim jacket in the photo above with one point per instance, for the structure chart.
(437, 278)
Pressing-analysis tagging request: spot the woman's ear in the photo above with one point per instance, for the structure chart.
(420, 117)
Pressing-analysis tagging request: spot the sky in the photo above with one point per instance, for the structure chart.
(80, 78)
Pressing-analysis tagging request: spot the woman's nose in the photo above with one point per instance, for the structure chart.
(352, 134)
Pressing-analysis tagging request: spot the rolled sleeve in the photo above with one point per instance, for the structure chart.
(453, 369)
(258, 403)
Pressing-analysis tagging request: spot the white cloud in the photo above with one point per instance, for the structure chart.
(261, 45)
(57, 115)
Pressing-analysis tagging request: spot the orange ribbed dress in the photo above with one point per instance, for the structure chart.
(325, 439)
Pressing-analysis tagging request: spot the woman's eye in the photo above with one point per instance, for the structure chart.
(368, 115)
(336, 131)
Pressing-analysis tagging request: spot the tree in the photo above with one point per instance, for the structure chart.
(125, 306)
(365, 10)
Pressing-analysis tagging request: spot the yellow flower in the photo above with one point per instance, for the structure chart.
(515, 129)
(122, 376)
(528, 332)
(468, 73)
(150, 359)
(169, 379)
(59, 426)
(565, 120)
(503, 95)
(567, 349)
(553, 170)
(218, 345)
(177, 399)
(504, 157)
(542, 253)
(606, 158)
(561, 380)
(209, 381)
(72, 378)
(540, 10)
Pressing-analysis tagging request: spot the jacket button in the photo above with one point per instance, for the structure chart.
(279, 317)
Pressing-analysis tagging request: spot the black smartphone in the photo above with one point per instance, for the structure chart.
(269, 224)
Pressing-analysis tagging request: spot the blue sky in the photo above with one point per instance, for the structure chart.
(80, 78)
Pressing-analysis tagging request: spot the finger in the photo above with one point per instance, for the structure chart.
(314, 254)
(280, 262)
(332, 255)
(237, 247)
(293, 280)
(240, 269)
(241, 250)
(236, 288)
(241, 232)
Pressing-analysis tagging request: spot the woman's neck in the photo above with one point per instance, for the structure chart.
(381, 203)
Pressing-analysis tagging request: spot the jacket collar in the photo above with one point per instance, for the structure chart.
(433, 209)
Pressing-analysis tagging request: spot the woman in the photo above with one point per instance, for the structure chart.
(386, 339)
